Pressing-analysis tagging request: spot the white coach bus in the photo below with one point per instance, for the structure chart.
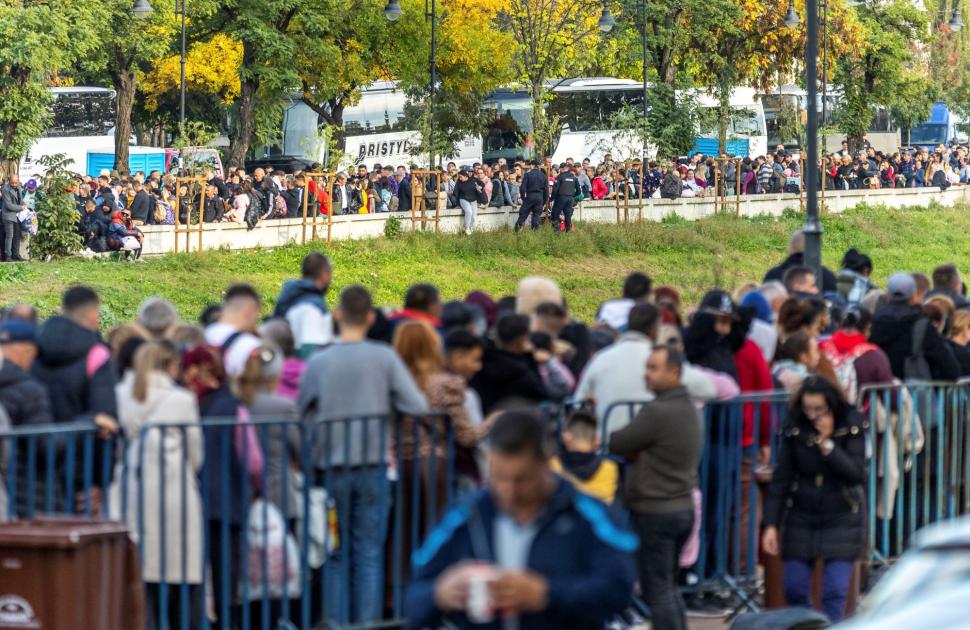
(82, 118)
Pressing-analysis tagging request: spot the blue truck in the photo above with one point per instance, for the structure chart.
(941, 128)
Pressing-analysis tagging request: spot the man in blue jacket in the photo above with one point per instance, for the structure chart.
(551, 556)
(302, 303)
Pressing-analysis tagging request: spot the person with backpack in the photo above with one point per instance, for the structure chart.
(232, 336)
(915, 349)
(671, 186)
(303, 305)
(857, 362)
(854, 281)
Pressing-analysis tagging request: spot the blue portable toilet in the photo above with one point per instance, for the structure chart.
(145, 159)
(738, 147)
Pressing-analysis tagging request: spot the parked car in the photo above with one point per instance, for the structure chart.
(928, 587)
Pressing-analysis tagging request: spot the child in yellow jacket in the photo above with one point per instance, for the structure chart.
(580, 463)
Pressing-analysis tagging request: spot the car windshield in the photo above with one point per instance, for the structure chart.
(916, 575)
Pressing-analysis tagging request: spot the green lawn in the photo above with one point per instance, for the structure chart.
(590, 264)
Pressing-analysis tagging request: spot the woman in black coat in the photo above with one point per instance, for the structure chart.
(816, 495)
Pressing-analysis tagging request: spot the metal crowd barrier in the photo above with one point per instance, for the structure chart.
(342, 503)
(918, 470)
(262, 524)
(918, 473)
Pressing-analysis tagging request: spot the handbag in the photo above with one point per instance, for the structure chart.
(272, 557)
(130, 244)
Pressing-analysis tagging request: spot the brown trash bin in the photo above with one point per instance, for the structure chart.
(69, 573)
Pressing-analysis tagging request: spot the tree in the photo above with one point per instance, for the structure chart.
(471, 62)
(548, 35)
(211, 83)
(43, 36)
(267, 74)
(335, 59)
(745, 42)
(57, 235)
(873, 75)
(915, 93)
(124, 48)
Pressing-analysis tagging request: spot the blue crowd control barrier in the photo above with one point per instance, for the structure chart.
(918, 472)
(258, 544)
(55, 469)
(319, 526)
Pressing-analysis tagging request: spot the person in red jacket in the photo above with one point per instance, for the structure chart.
(600, 189)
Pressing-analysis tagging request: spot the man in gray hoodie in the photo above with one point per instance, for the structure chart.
(348, 397)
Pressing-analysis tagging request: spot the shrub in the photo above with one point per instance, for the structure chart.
(57, 215)
(393, 229)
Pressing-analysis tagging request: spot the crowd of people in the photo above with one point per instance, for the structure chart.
(112, 207)
(489, 363)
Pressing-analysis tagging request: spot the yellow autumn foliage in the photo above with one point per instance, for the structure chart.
(211, 67)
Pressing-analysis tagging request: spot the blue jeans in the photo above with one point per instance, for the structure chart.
(835, 585)
(354, 575)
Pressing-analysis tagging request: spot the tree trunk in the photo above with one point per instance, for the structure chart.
(124, 81)
(540, 139)
(723, 118)
(143, 135)
(245, 126)
(8, 168)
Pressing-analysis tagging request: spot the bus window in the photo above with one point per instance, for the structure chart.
(77, 114)
(379, 112)
(511, 122)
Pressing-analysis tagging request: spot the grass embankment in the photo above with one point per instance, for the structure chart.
(590, 263)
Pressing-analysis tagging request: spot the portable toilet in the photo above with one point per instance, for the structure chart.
(145, 159)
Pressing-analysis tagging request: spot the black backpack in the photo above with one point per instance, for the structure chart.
(254, 211)
(916, 367)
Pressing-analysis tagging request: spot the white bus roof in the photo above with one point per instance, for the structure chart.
(594, 83)
(80, 89)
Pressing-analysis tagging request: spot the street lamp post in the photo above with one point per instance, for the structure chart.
(393, 11)
(180, 11)
(956, 22)
(143, 9)
(644, 42)
(825, 60)
(813, 226)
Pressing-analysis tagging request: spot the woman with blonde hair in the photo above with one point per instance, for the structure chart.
(423, 450)
(164, 506)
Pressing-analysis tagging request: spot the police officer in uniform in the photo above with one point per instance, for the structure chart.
(535, 194)
(564, 193)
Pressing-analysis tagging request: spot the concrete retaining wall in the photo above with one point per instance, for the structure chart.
(160, 239)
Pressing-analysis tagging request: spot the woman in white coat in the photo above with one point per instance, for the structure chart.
(164, 508)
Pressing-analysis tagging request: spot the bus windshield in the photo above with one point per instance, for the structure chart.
(928, 134)
(81, 113)
(594, 109)
(511, 123)
(377, 112)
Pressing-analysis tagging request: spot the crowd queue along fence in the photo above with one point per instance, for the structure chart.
(270, 523)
